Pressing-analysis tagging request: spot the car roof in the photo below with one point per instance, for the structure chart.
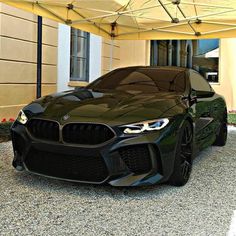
(173, 68)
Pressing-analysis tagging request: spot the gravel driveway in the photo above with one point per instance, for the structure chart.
(32, 205)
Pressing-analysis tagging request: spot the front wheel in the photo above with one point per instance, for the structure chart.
(183, 156)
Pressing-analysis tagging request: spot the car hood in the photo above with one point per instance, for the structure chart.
(112, 107)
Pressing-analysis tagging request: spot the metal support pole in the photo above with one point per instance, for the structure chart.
(173, 20)
(111, 54)
(39, 58)
(155, 53)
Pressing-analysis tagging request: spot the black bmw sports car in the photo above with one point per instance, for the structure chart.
(133, 126)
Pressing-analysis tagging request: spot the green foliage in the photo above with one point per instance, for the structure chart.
(232, 118)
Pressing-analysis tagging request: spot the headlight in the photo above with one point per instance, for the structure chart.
(145, 126)
(22, 118)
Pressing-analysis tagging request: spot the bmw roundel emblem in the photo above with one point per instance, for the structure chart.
(66, 117)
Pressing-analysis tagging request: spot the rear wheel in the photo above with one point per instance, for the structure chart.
(183, 157)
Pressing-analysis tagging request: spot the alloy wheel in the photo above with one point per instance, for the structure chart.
(186, 152)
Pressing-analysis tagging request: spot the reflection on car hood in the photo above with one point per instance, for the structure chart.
(112, 107)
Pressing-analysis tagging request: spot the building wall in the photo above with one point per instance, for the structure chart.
(95, 59)
(63, 61)
(124, 53)
(134, 53)
(110, 49)
(227, 72)
(18, 58)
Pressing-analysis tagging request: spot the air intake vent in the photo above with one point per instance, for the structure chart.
(43, 129)
(18, 143)
(86, 134)
(72, 167)
(137, 158)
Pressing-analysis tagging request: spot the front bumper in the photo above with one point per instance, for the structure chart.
(125, 161)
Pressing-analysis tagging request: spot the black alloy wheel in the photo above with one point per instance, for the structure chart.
(221, 138)
(183, 158)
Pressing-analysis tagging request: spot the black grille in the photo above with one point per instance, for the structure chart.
(86, 134)
(137, 158)
(44, 129)
(73, 167)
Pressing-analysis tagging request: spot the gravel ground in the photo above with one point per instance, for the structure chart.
(32, 205)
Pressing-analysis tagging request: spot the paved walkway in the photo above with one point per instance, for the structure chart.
(32, 205)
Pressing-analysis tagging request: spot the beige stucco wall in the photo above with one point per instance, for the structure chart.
(134, 53)
(125, 53)
(110, 49)
(18, 58)
(227, 72)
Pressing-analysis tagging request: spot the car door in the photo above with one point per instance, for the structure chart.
(204, 109)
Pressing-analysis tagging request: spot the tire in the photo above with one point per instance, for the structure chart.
(183, 156)
(221, 138)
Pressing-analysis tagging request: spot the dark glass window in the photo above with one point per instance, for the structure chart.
(198, 83)
(146, 80)
(212, 77)
(79, 56)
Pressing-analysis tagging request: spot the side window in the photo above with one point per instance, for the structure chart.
(198, 83)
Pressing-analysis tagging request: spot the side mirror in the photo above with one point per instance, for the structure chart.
(204, 94)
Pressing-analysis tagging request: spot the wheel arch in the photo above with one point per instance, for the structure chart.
(189, 119)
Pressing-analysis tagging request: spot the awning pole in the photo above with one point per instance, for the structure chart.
(39, 58)
(111, 54)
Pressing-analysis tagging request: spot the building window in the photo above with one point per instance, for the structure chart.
(79, 55)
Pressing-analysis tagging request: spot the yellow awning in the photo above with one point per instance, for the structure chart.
(140, 19)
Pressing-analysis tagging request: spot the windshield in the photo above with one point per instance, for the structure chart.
(145, 80)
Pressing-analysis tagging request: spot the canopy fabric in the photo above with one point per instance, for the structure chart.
(140, 19)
